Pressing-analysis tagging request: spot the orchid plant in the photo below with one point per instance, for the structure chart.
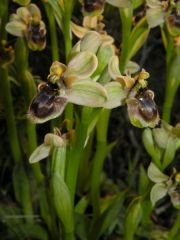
(64, 193)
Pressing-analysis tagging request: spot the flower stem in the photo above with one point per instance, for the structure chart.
(68, 7)
(53, 32)
(28, 88)
(126, 20)
(101, 151)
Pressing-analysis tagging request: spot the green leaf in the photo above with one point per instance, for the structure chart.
(31, 231)
(155, 174)
(169, 152)
(105, 220)
(158, 191)
(87, 93)
(22, 2)
(57, 11)
(119, 3)
(133, 218)
(143, 181)
(62, 202)
(91, 42)
(137, 3)
(138, 37)
(82, 65)
(20, 183)
(116, 95)
(40, 153)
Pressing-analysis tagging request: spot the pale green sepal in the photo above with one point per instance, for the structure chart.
(16, 28)
(132, 67)
(82, 65)
(158, 191)
(53, 140)
(116, 95)
(161, 136)
(79, 31)
(104, 77)
(91, 42)
(35, 12)
(155, 17)
(169, 152)
(104, 53)
(23, 14)
(155, 174)
(87, 93)
(40, 153)
(119, 3)
(113, 67)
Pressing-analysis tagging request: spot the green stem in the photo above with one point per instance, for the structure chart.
(68, 236)
(126, 20)
(169, 100)
(75, 157)
(172, 79)
(9, 113)
(4, 17)
(53, 32)
(68, 7)
(76, 150)
(28, 88)
(98, 161)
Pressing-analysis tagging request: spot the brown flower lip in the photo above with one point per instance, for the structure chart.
(93, 5)
(147, 106)
(44, 102)
(35, 34)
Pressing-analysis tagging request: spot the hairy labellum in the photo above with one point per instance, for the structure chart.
(36, 35)
(47, 104)
(147, 106)
(174, 18)
(93, 5)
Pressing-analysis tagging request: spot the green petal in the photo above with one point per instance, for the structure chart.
(35, 12)
(16, 28)
(79, 31)
(158, 191)
(104, 53)
(113, 67)
(40, 153)
(116, 95)
(155, 17)
(53, 140)
(91, 42)
(82, 65)
(155, 174)
(23, 14)
(87, 93)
